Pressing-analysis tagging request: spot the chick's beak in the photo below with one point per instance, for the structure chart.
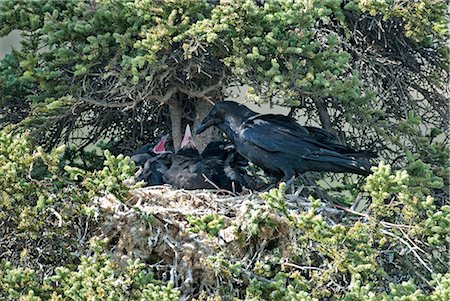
(187, 139)
(160, 147)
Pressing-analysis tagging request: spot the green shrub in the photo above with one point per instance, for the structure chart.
(97, 277)
(209, 223)
(44, 208)
(403, 235)
(276, 251)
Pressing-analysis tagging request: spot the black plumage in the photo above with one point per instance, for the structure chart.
(279, 145)
(154, 169)
(229, 166)
(147, 151)
(333, 143)
(188, 169)
(153, 161)
(146, 148)
(141, 158)
(217, 166)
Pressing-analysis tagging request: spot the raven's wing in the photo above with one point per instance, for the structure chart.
(140, 159)
(279, 133)
(333, 143)
(330, 140)
(322, 134)
(274, 132)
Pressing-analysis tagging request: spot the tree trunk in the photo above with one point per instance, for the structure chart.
(325, 119)
(175, 110)
(202, 107)
(178, 106)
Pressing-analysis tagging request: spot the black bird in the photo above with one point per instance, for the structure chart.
(189, 169)
(332, 142)
(229, 165)
(279, 145)
(154, 169)
(154, 162)
(143, 149)
(147, 151)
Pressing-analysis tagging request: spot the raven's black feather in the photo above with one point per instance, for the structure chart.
(279, 145)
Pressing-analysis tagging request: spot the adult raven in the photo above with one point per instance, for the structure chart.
(279, 145)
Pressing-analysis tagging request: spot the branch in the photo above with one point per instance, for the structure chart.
(105, 104)
(323, 115)
(201, 93)
(175, 109)
(410, 248)
(300, 267)
(386, 224)
(163, 99)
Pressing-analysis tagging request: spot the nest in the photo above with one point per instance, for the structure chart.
(156, 225)
(153, 225)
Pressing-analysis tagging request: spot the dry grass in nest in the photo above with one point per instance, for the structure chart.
(153, 226)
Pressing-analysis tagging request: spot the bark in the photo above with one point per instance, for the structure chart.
(202, 107)
(325, 119)
(182, 113)
(175, 110)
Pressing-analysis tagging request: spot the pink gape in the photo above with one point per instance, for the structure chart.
(160, 148)
(188, 141)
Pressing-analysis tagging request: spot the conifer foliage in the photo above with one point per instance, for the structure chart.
(73, 227)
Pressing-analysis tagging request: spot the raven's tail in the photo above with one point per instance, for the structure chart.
(335, 162)
(360, 167)
(361, 154)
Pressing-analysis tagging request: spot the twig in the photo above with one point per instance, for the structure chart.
(60, 220)
(386, 224)
(251, 275)
(210, 182)
(410, 248)
(301, 267)
(160, 98)
(411, 241)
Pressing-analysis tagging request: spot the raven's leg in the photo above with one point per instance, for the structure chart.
(274, 184)
(289, 182)
(288, 179)
(270, 186)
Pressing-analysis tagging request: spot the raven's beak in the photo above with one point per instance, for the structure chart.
(206, 123)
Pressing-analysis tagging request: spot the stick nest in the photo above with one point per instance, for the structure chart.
(154, 225)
